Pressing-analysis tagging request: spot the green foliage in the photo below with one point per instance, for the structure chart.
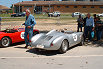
(4, 15)
(11, 11)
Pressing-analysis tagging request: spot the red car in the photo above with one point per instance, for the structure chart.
(10, 36)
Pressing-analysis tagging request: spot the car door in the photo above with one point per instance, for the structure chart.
(73, 39)
(17, 36)
(17, 14)
(55, 14)
(20, 35)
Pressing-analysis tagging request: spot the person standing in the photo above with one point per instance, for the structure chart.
(95, 18)
(80, 23)
(29, 24)
(99, 28)
(89, 27)
(85, 21)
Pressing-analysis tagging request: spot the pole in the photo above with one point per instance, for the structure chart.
(35, 8)
(13, 8)
(19, 5)
(49, 7)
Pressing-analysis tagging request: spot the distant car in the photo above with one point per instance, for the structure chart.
(18, 15)
(54, 14)
(56, 40)
(10, 36)
(100, 15)
(76, 14)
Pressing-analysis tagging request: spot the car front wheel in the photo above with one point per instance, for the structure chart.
(5, 42)
(58, 15)
(64, 46)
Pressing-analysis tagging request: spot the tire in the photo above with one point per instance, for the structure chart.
(64, 46)
(58, 15)
(82, 41)
(48, 15)
(12, 16)
(5, 42)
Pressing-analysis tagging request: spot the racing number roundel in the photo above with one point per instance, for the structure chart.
(74, 37)
(22, 35)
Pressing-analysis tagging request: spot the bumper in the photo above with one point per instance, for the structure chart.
(45, 47)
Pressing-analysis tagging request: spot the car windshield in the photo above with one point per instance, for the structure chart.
(21, 29)
(10, 31)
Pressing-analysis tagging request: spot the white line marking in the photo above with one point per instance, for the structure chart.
(56, 56)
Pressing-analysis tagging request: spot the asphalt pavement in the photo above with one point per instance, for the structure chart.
(78, 57)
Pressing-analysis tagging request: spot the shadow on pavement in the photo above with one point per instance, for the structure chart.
(20, 47)
(45, 52)
(18, 43)
(94, 43)
(98, 43)
(15, 44)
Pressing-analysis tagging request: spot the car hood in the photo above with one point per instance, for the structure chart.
(50, 13)
(45, 39)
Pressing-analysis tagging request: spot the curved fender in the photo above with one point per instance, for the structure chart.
(1, 37)
(58, 41)
(35, 37)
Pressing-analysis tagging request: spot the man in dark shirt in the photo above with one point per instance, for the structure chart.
(99, 28)
(80, 23)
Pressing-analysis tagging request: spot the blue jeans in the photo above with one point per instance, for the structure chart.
(98, 34)
(30, 32)
(87, 32)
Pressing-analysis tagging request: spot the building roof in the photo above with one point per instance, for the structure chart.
(59, 3)
(4, 7)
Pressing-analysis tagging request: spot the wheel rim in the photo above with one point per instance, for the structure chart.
(5, 41)
(65, 45)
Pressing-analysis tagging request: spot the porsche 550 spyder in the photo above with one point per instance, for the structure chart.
(56, 40)
(10, 36)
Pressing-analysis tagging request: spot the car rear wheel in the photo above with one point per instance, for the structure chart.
(5, 42)
(64, 46)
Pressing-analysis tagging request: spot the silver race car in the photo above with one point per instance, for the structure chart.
(57, 40)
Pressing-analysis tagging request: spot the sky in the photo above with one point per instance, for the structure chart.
(9, 3)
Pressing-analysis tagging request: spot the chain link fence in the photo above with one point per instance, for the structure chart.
(43, 23)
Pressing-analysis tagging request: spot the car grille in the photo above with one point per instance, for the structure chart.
(48, 37)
